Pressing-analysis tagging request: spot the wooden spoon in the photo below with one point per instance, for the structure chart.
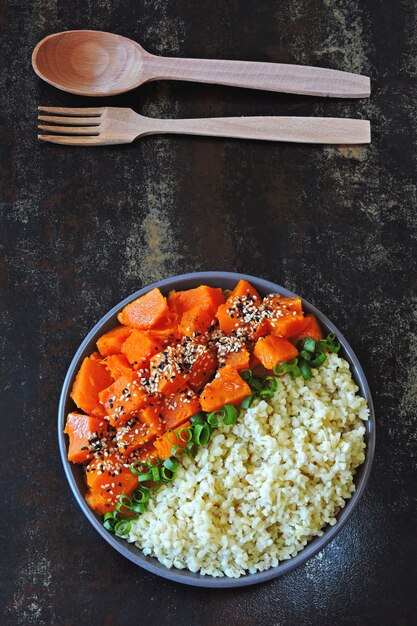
(96, 63)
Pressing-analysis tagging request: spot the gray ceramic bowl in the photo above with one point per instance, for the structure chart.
(226, 280)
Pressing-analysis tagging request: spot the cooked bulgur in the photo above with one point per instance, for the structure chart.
(266, 485)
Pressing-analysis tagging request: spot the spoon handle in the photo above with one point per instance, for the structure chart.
(297, 79)
(318, 130)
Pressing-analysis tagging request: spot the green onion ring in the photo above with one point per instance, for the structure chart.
(171, 464)
(230, 414)
(122, 528)
(305, 370)
(319, 360)
(155, 474)
(246, 402)
(255, 384)
(143, 478)
(201, 434)
(246, 374)
(140, 496)
(138, 467)
(190, 449)
(309, 344)
(198, 418)
(214, 417)
(110, 519)
(188, 431)
(178, 451)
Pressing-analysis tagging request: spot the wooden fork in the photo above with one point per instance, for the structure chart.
(114, 125)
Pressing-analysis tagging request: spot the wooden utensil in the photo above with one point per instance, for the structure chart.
(96, 63)
(113, 125)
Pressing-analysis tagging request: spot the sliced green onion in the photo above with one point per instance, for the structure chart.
(198, 418)
(319, 360)
(229, 414)
(246, 402)
(309, 344)
(185, 434)
(321, 345)
(167, 475)
(178, 451)
(122, 528)
(110, 519)
(140, 496)
(289, 367)
(124, 502)
(155, 474)
(246, 374)
(149, 488)
(271, 383)
(214, 417)
(255, 384)
(279, 370)
(143, 478)
(171, 437)
(190, 449)
(201, 434)
(332, 344)
(269, 387)
(305, 355)
(171, 464)
(138, 468)
(305, 370)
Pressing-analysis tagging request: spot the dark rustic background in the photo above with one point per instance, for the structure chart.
(83, 228)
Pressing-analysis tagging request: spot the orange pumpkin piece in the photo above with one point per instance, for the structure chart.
(92, 377)
(239, 360)
(163, 445)
(227, 387)
(111, 342)
(195, 320)
(96, 356)
(117, 365)
(204, 364)
(106, 479)
(243, 288)
(232, 316)
(130, 437)
(311, 329)
(145, 312)
(286, 316)
(151, 415)
(179, 407)
(166, 332)
(204, 297)
(242, 310)
(123, 398)
(80, 429)
(167, 371)
(145, 453)
(271, 350)
(139, 347)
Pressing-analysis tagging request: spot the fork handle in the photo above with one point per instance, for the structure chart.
(319, 130)
(297, 79)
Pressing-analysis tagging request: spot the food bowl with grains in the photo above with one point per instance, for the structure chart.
(216, 429)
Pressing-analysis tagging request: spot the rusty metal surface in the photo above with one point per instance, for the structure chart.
(82, 228)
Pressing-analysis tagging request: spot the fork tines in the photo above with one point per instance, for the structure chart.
(69, 125)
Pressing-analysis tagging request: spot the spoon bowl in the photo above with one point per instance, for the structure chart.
(89, 62)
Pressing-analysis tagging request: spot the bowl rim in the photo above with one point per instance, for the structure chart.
(151, 564)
